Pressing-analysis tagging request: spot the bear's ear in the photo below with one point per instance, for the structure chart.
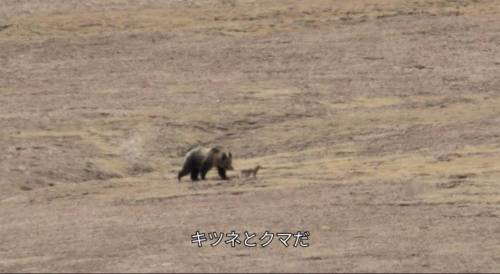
(230, 155)
(224, 156)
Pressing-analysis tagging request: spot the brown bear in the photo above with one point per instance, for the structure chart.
(200, 160)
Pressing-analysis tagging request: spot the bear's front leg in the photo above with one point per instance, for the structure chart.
(222, 173)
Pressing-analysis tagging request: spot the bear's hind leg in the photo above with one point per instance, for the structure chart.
(204, 169)
(185, 171)
(204, 173)
(194, 174)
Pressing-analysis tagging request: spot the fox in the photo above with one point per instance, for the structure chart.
(250, 171)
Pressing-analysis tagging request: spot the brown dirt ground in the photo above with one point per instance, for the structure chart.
(377, 122)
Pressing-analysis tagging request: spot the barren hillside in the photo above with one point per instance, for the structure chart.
(377, 123)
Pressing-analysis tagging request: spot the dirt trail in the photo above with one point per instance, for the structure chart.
(377, 123)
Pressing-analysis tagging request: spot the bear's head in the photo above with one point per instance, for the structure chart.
(223, 159)
(226, 161)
